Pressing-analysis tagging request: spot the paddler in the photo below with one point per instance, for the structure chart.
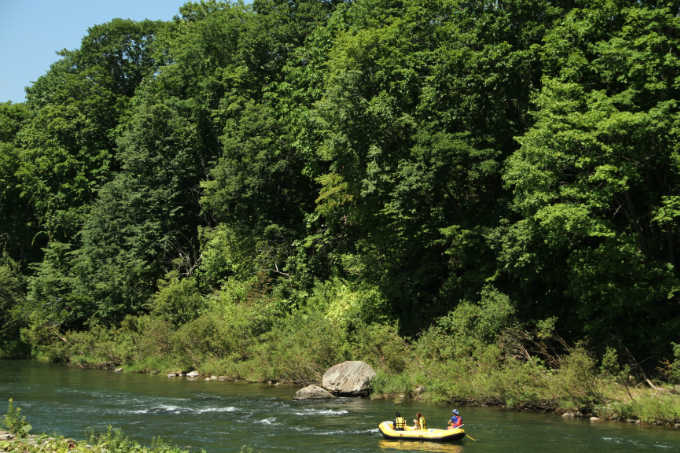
(419, 421)
(456, 420)
(399, 422)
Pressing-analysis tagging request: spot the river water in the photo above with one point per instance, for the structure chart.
(223, 417)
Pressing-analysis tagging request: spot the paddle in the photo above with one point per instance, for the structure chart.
(467, 435)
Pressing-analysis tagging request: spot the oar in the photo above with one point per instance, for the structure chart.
(471, 438)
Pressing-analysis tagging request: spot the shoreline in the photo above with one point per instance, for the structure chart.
(596, 415)
(112, 441)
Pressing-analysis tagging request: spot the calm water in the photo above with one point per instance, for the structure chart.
(221, 417)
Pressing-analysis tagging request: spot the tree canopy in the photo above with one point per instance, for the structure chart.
(416, 152)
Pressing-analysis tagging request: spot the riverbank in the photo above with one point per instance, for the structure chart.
(222, 417)
(478, 354)
(575, 390)
(110, 442)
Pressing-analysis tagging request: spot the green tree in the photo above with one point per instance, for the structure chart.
(594, 179)
(12, 293)
(68, 148)
(420, 105)
(19, 226)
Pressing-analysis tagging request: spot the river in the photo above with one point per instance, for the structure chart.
(223, 417)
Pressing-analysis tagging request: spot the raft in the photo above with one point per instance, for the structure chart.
(431, 434)
(421, 445)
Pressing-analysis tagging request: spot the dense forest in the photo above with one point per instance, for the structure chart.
(264, 189)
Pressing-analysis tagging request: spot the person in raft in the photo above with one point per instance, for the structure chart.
(419, 421)
(456, 420)
(399, 422)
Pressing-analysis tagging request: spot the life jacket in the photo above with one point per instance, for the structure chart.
(457, 421)
(422, 423)
(399, 423)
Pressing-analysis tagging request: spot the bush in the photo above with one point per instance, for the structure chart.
(226, 330)
(300, 348)
(200, 339)
(114, 441)
(674, 368)
(177, 300)
(15, 422)
(224, 254)
(346, 305)
(381, 345)
(576, 379)
(468, 327)
(523, 383)
(11, 300)
(390, 384)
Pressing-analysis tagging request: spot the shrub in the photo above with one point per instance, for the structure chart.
(177, 300)
(299, 348)
(11, 300)
(468, 327)
(522, 383)
(674, 369)
(609, 365)
(381, 345)
(224, 254)
(389, 384)
(200, 339)
(15, 422)
(576, 379)
(346, 305)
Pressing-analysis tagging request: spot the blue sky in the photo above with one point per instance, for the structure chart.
(32, 31)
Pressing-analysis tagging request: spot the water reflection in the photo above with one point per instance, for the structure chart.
(410, 445)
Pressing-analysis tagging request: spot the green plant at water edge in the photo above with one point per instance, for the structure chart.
(247, 449)
(115, 441)
(577, 380)
(674, 367)
(391, 384)
(15, 422)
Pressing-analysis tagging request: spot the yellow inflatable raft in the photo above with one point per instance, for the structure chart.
(432, 434)
(420, 445)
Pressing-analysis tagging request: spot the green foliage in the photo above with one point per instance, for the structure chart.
(444, 189)
(15, 422)
(523, 384)
(51, 297)
(674, 369)
(224, 253)
(112, 440)
(300, 348)
(19, 226)
(346, 305)
(577, 379)
(469, 327)
(68, 147)
(610, 363)
(651, 409)
(12, 295)
(381, 345)
(177, 300)
(595, 209)
(391, 384)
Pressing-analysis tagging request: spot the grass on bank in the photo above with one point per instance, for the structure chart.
(111, 441)
(477, 354)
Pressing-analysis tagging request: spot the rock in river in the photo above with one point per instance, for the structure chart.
(312, 392)
(351, 378)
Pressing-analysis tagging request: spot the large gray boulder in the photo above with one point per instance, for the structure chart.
(351, 378)
(312, 392)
